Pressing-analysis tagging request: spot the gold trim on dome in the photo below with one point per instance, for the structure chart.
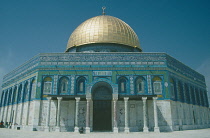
(103, 29)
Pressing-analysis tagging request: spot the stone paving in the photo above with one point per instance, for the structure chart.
(11, 133)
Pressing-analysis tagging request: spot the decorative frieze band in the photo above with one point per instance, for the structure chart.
(103, 57)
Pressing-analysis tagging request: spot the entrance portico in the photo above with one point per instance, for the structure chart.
(102, 114)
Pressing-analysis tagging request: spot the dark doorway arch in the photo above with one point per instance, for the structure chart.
(102, 97)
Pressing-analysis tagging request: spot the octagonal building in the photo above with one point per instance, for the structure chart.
(104, 82)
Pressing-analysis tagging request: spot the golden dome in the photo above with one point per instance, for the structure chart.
(103, 29)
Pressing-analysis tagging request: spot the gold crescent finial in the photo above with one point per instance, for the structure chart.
(103, 8)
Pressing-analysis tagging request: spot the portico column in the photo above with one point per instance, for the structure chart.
(87, 129)
(76, 129)
(126, 129)
(156, 128)
(47, 129)
(58, 129)
(115, 115)
(145, 129)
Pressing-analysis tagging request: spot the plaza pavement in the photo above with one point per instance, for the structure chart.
(11, 133)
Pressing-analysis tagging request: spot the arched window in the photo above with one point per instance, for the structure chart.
(187, 94)
(2, 96)
(10, 96)
(192, 94)
(202, 98)
(5, 98)
(33, 89)
(19, 93)
(14, 95)
(172, 88)
(157, 85)
(25, 92)
(180, 91)
(206, 99)
(122, 85)
(140, 85)
(197, 96)
(47, 87)
(63, 85)
(81, 85)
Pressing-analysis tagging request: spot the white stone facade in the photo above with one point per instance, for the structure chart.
(171, 116)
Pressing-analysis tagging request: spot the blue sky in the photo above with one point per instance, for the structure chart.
(180, 28)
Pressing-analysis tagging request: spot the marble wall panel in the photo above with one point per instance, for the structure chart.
(18, 114)
(139, 114)
(31, 113)
(43, 114)
(9, 113)
(132, 115)
(150, 114)
(164, 115)
(64, 113)
(174, 112)
(53, 113)
(36, 113)
(24, 116)
(71, 113)
(121, 114)
(82, 114)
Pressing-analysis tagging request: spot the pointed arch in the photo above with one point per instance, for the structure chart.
(80, 85)
(25, 91)
(5, 98)
(173, 89)
(63, 85)
(187, 93)
(140, 85)
(192, 95)
(14, 94)
(47, 85)
(180, 91)
(2, 96)
(10, 96)
(102, 91)
(19, 93)
(122, 84)
(33, 89)
(157, 85)
(202, 97)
